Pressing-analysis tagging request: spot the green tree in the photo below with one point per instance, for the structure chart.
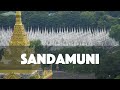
(118, 77)
(115, 32)
(37, 45)
(87, 18)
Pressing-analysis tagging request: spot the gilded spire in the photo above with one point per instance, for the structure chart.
(19, 37)
(18, 18)
(18, 13)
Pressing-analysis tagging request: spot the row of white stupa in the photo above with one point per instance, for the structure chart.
(64, 37)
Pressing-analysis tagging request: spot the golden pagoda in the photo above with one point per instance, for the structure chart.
(19, 44)
(19, 37)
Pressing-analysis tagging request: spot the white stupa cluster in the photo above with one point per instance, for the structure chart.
(64, 37)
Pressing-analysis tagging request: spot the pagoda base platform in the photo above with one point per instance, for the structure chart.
(26, 74)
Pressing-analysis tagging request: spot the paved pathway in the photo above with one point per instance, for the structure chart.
(65, 75)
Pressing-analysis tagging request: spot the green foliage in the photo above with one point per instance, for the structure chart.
(87, 18)
(114, 13)
(1, 53)
(37, 45)
(115, 32)
(64, 18)
(109, 61)
(118, 77)
(33, 77)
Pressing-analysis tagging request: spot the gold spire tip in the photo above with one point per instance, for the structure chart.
(18, 13)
